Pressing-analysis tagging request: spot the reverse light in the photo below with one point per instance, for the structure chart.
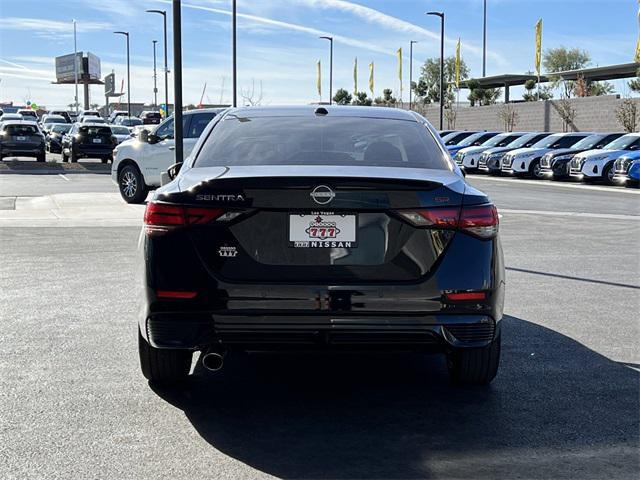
(481, 221)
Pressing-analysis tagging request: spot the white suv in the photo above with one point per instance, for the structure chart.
(138, 163)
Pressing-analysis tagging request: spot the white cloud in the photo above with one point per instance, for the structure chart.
(295, 27)
(50, 28)
(376, 17)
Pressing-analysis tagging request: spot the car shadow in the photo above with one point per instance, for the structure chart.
(557, 409)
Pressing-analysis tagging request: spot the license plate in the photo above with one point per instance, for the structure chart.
(322, 230)
(97, 140)
(21, 139)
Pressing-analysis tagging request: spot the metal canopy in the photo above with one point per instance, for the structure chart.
(611, 72)
(499, 81)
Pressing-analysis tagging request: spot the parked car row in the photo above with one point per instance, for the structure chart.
(581, 156)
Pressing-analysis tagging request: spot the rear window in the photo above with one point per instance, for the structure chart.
(120, 130)
(152, 115)
(130, 122)
(21, 129)
(321, 141)
(61, 128)
(95, 131)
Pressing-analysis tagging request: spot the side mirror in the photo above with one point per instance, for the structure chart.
(174, 170)
(151, 137)
(143, 136)
(464, 171)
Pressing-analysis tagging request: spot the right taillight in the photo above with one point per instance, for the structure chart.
(480, 221)
(162, 217)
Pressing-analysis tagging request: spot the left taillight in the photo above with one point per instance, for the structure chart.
(162, 217)
(481, 220)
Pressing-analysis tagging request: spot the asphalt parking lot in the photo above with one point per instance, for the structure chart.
(73, 403)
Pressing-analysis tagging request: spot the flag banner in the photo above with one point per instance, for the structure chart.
(637, 59)
(355, 76)
(400, 69)
(458, 64)
(371, 78)
(538, 45)
(319, 80)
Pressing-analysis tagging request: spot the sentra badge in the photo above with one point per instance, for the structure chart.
(220, 198)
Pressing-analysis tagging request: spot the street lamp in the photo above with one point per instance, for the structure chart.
(234, 54)
(330, 68)
(155, 77)
(75, 63)
(441, 15)
(166, 68)
(484, 41)
(126, 34)
(411, 71)
(177, 81)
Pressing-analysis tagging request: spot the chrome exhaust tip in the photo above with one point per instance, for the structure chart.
(213, 361)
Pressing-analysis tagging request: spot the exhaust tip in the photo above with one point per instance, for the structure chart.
(212, 361)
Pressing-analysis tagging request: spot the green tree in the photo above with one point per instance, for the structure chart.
(362, 99)
(342, 97)
(427, 88)
(563, 59)
(531, 94)
(482, 96)
(387, 98)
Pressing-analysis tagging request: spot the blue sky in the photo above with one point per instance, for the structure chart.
(279, 46)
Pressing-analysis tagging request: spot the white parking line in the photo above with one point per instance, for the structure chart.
(610, 216)
(64, 177)
(544, 183)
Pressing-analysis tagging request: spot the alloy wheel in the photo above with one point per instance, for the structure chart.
(129, 184)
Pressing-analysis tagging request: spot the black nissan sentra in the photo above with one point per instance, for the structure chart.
(320, 228)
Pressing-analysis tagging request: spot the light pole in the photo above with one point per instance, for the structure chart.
(330, 68)
(441, 15)
(166, 68)
(177, 80)
(234, 54)
(155, 77)
(75, 62)
(411, 71)
(126, 34)
(484, 41)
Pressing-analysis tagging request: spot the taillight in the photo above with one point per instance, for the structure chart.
(481, 221)
(161, 217)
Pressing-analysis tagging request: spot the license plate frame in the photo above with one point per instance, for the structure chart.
(97, 140)
(301, 225)
(20, 138)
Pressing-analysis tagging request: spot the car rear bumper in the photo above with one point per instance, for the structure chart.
(22, 149)
(93, 151)
(197, 330)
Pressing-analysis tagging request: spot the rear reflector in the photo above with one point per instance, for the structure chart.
(464, 296)
(160, 217)
(481, 221)
(175, 294)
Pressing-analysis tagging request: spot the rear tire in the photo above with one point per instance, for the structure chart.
(42, 157)
(474, 366)
(163, 366)
(131, 185)
(73, 158)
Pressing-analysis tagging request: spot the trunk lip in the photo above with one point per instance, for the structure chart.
(195, 176)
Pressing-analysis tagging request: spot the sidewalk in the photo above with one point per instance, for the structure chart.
(70, 210)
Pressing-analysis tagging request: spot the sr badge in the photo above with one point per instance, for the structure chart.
(225, 251)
